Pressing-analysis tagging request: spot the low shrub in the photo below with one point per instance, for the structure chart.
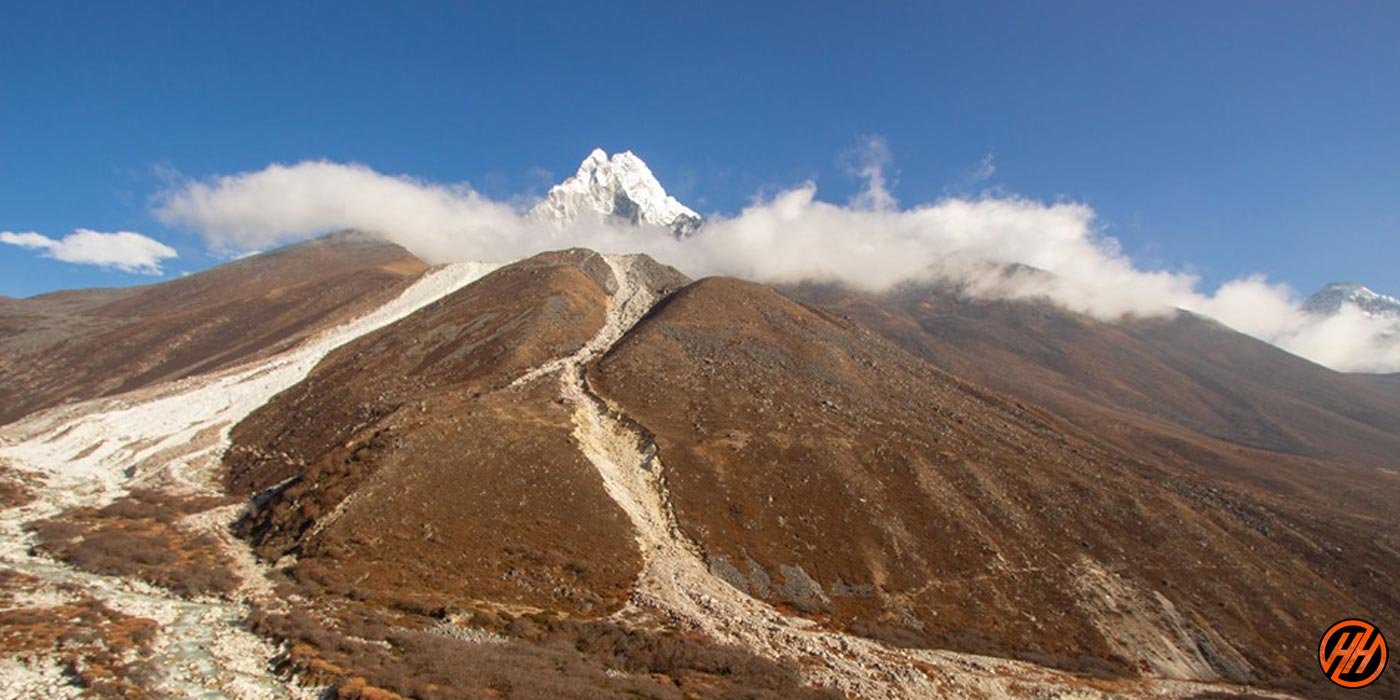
(137, 536)
(543, 656)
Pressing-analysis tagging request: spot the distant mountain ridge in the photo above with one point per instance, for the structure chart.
(1332, 298)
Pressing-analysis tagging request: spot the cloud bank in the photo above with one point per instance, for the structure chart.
(122, 250)
(283, 203)
(871, 243)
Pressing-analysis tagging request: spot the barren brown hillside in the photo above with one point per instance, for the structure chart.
(821, 467)
(409, 466)
(88, 343)
(816, 464)
(415, 488)
(1391, 382)
(1185, 391)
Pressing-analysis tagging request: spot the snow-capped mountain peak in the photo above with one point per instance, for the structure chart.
(618, 188)
(1331, 299)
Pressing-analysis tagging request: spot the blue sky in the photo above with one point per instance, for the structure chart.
(1224, 138)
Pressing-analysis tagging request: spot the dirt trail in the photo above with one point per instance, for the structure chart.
(676, 584)
(173, 437)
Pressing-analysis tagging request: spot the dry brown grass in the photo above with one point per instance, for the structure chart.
(538, 654)
(139, 537)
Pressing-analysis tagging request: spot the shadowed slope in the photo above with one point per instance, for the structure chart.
(1388, 382)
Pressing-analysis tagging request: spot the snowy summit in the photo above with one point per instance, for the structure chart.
(617, 188)
(1330, 300)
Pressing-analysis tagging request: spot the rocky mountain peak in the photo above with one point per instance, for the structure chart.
(616, 188)
(1333, 297)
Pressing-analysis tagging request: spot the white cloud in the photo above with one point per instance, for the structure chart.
(869, 160)
(790, 236)
(1349, 340)
(27, 239)
(983, 170)
(283, 203)
(121, 250)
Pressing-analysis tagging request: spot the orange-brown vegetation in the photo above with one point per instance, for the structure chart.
(486, 652)
(101, 648)
(139, 536)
